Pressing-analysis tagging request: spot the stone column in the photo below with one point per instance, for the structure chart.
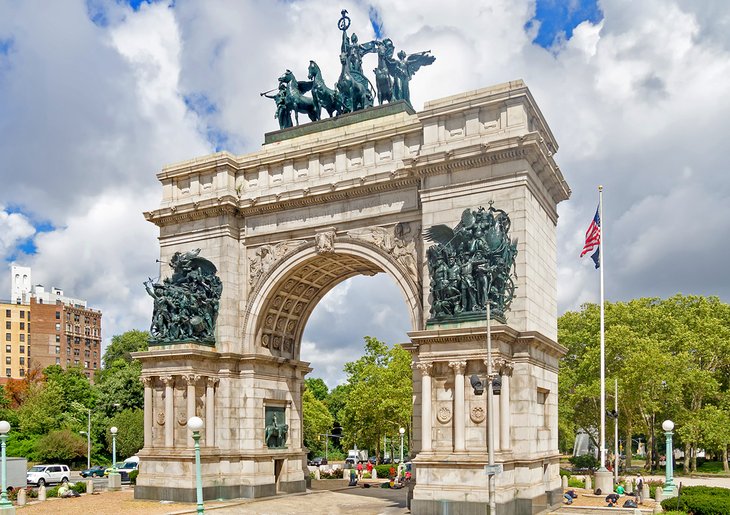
(425, 369)
(505, 440)
(148, 411)
(459, 419)
(210, 384)
(191, 381)
(169, 381)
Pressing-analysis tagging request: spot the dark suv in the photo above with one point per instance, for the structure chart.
(319, 460)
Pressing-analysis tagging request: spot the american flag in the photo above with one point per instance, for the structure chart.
(593, 238)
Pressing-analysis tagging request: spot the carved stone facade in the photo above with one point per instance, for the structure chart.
(285, 224)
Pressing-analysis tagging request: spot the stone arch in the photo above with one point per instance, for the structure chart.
(283, 301)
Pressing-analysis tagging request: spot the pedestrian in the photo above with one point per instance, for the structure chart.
(639, 487)
(620, 489)
(359, 470)
(370, 468)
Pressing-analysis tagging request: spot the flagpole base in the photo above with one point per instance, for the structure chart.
(604, 481)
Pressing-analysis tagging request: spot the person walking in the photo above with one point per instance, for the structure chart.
(639, 487)
(359, 471)
(370, 468)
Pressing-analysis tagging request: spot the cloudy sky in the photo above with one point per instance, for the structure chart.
(97, 96)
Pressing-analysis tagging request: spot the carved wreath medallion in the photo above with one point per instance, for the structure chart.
(478, 414)
(443, 415)
(161, 418)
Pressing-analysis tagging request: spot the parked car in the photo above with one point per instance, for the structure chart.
(40, 475)
(96, 470)
(373, 460)
(124, 469)
(319, 460)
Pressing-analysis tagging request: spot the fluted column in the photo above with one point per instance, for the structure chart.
(504, 409)
(425, 369)
(191, 381)
(169, 381)
(459, 419)
(210, 384)
(148, 410)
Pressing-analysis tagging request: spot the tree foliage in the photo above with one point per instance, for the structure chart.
(130, 432)
(317, 422)
(123, 345)
(318, 387)
(61, 446)
(670, 358)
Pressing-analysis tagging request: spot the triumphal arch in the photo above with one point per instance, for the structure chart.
(457, 203)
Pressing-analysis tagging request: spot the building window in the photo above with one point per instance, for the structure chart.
(68, 362)
(8, 348)
(22, 314)
(8, 313)
(22, 326)
(7, 325)
(76, 362)
(94, 364)
(76, 317)
(58, 361)
(8, 337)
(7, 360)
(22, 372)
(8, 372)
(22, 337)
(28, 355)
(58, 349)
(22, 360)
(58, 315)
(86, 364)
(58, 327)
(58, 338)
(68, 351)
(22, 349)
(28, 316)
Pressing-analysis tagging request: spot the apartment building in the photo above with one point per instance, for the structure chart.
(15, 349)
(65, 331)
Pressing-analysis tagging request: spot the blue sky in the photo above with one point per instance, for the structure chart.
(558, 18)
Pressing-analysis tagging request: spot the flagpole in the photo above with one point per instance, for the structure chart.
(603, 341)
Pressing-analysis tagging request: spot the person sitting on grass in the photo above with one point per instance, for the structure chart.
(620, 489)
(568, 498)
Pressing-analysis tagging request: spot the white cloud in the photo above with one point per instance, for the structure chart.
(89, 114)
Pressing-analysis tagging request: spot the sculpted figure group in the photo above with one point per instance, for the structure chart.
(186, 304)
(353, 91)
(472, 264)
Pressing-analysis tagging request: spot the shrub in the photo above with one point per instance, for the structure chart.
(700, 500)
(574, 482)
(565, 472)
(383, 471)
(653, 485)
(61, 446)
(79, 488)
(52, 492)
(587, 461)
(133, 477)
(331, 474)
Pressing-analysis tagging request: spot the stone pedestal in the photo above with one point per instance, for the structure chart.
(114, 481)
(21, 497)
(454, 481)
(42, 493)
(604, 481)
(89, 486)
(7, 510)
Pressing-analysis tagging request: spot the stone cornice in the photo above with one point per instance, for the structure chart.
(530, 147)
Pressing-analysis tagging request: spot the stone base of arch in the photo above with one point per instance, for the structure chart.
(450, 421)
(230, 392)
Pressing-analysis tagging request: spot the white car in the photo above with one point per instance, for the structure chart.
(46, 474)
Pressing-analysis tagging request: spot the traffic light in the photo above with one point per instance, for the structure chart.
(337, 430)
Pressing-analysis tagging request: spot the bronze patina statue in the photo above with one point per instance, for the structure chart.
(471, 265)
(186, 304)
(353, 90)
(276, 432)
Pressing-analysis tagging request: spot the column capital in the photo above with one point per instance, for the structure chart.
(458, 366)
(168, 380)
(425, 367)
(212, 381)
(191, 379)
(147, 381)
(503, 366)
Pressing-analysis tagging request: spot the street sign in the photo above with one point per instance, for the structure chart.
(493, 469)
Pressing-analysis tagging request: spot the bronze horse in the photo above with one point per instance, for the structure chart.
(355, 93)
(295, 100)
(323, 96)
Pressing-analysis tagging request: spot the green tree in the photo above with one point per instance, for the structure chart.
(42, 409)
(379, 399)
(316, 422)
(130, 432)
(119, 388)
(62, 446)
(73, 383)
(318, 387)
(122, 346)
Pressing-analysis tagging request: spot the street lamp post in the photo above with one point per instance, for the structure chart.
(88, 440)
(669, 490)
(5, 504)
(195, 424)
(115, 480)
(402, 431)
